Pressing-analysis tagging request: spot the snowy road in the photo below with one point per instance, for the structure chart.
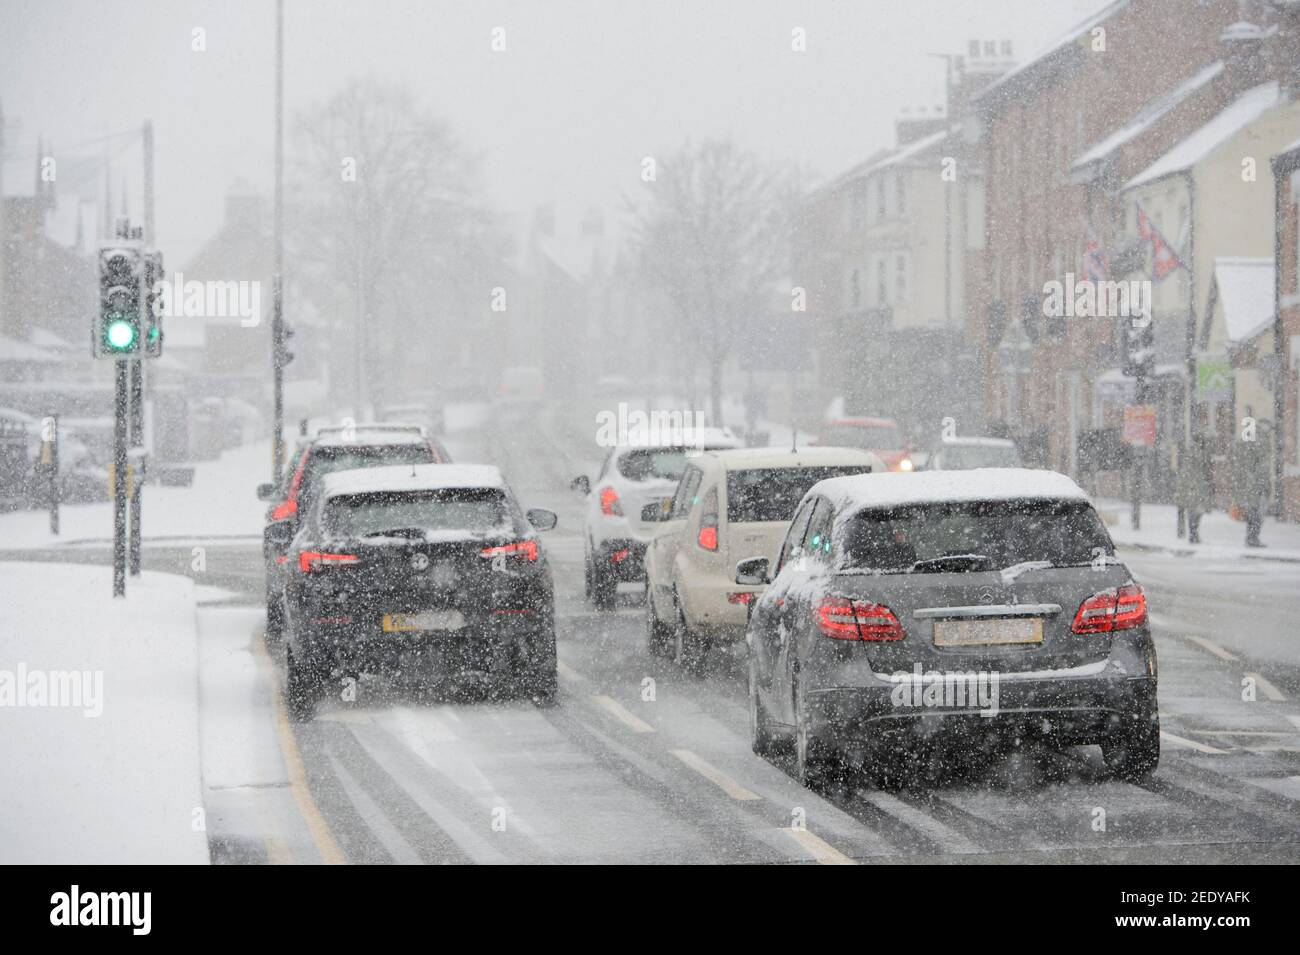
(617, 774)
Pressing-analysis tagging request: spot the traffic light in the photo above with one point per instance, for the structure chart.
(153, 330)
(118, 327)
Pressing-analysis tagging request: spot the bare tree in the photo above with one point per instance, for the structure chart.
(388, 230)
(712, 239)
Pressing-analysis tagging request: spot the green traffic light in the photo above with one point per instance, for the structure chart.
(120, 335)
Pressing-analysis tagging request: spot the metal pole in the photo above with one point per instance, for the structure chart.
(54, 473)
(120, 412)
(277, 280)
(138, 363)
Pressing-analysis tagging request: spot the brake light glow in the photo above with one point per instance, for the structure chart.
(310, 561)
(525, 550)
(1119, 608)
(610, 505)
(620, 555)
(741, 598)
(289, 506)
(708, 536)
(843, 619)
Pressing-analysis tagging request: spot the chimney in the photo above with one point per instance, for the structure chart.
(1242, 44)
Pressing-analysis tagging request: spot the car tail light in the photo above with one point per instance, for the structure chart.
(289, 506)
(513, 612)
(310, 561)
(708, 535)
(1119, 608)
(741, 598)
(845, 619)
(620, 555)
(519, 550)
(610, 505)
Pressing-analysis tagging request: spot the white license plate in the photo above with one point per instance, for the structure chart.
(986, 633)
(424, 620)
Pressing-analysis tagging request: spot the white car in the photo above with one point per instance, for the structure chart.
(632, 476)
(729, 506)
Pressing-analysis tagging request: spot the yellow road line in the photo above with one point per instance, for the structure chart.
(819, 848)
(277, 853)
(715, 775)
(329, 850)
(1190, 744)
(1271, 691)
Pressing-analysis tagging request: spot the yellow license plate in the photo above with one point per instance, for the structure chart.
(423, 620)
(988, 633)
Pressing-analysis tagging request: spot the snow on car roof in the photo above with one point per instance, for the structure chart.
(735, 459)
(367, 434)
(896, 489)
(972, 441)
(406, 477)
(680, 438)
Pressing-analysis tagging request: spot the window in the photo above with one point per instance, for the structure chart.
(794, 537)
(684, 497)
(900, 194)
(882, 287)
(772, 494)
(900, 277)
(858, 206)
(880, 198)
(817, 539)
(410, 514)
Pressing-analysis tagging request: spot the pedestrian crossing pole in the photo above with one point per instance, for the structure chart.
(120, 413)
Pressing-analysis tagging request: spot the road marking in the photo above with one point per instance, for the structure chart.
(623, 715)
(277, 853)
(1273, 748)
(329, 850)
(715, 776)
(1213, 647)
(819, 848)
(1242, 733)
(1190, 744)
(568, 672)
(376, 821)
(948, 838)
(1271, 691)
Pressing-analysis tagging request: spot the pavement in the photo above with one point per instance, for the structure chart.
(1221, 536)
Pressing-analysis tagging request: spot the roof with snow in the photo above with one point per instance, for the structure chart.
(1246, 294)
(971, 442)
(668, 435)
(894, 157)
(808, 457)
(898, 488)
(416, 478)
(1149, 114)
(1070, 37)
(1233, 118)
(370, 434)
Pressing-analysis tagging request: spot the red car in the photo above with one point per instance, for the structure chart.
(881, 436)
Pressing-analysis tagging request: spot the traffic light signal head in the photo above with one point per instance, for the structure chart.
(153, 330)
(118, 325)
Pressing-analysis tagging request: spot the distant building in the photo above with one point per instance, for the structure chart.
(1286, 328)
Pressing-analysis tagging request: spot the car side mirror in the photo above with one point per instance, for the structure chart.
(542, 519)
(752, 572)
(657, 511)
(581, 484)
(265, 492)
(280, 535)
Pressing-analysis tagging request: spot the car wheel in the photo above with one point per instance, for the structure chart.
(688, 647)
(301, 689)
(586, 573)
(603, 588)
(657, 636)
(274, 618)
(765, 739)
(1133, 753)
(814, 757)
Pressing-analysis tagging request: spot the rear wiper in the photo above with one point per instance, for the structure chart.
(412, 532)
(954, 562)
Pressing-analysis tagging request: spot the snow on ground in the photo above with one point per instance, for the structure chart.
(1222, 538)
(122, 786)
(222, 502)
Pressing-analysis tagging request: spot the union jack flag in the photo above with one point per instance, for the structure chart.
(1164, 259)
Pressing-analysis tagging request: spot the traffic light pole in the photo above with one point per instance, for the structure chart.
(121, 412)
(137, 364)
(277, 290)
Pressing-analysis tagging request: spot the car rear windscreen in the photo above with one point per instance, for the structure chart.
(650, 464)
(872, 437)
(974, 536)
(328, 460)
(772, 494)
(473, 510)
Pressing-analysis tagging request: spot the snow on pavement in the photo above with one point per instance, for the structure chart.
(116, 777)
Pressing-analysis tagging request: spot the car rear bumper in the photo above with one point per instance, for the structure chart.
(623, 559)
(486, 653)
(1070, 710)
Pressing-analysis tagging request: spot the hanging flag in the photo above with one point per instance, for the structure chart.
(1164, 259)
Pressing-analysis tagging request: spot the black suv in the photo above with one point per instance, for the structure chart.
(430, 575)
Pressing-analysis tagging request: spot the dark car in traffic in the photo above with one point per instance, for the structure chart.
(333, 449)
(432, 576)
(985, 603)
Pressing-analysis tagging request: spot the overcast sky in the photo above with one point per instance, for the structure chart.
(584, 89)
